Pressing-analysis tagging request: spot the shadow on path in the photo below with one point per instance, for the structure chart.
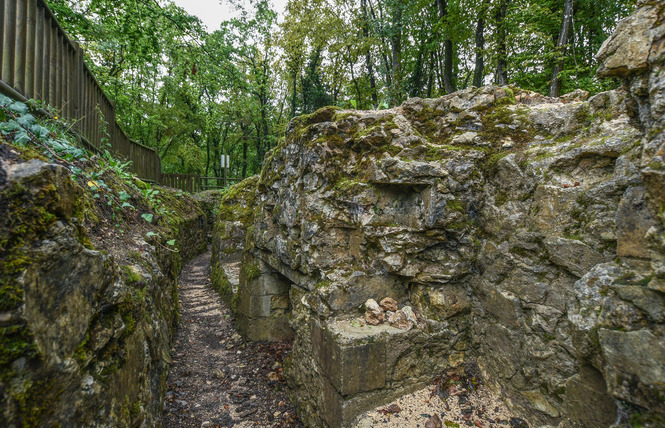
(217, 379)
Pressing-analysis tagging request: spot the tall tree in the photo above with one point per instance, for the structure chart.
(562, 41)
(448, 49)
(396, 9)
(501, 75)
(368, 52)
(479, 71)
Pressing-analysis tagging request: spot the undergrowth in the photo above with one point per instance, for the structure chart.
(51, 139)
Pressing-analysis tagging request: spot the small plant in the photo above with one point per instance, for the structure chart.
(52, 139)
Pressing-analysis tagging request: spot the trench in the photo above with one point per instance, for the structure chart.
(217, 378)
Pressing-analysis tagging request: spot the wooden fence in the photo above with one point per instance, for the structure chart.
(193, 183)
(40, 62)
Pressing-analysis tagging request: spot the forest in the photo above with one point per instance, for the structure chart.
(195, 93)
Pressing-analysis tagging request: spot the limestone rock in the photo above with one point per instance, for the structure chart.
(574, 255)
(629, 49)
(388, 304)
(526, 231)
(373, 313)
(87, 331)
(398, 319)
(403, 319)
(634, 355)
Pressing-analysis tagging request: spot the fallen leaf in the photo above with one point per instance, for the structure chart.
(393, 408)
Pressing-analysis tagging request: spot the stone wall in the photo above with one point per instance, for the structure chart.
(526, 232)
(235, 214)
(88, 308)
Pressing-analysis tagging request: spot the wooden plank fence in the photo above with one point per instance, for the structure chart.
(186, 182)
(193, 183)
(38, 61)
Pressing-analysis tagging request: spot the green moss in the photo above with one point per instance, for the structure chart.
(573, 236)
(15, 341)
(25, 217)
(440, 152)
(542, 156)
(642, 418)
(457, 226)
(81, 353)
(490, 163)
(654, 132)
(501, 198)
(238, 202)
(582, 114)
(34, 400)
(323, 284)
(347, 185)
(383, 124)
(522, 252)
(343, 115)
(455, 205)
(251, 271)
(135, 410)
(391, 149)
(131, 276)
(497, 125)
(564, 138)
(221, 284)
(509, 99)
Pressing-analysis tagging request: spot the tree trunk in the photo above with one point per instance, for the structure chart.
(479, 72)
(207, 156)
(244, 135)
(501, 76)
(430, 79)
(564, 35)
(384, 56)
(368, 54)
(448, 52)
(417, 83)
(244, 157)
(294, 95)
(396, 51)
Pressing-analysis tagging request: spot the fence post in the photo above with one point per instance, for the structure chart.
(30, 51)
(9, 41)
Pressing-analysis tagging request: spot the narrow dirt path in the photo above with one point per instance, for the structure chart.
(216, 378)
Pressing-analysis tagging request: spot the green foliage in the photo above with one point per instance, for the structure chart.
(18, 125)
(195, 95)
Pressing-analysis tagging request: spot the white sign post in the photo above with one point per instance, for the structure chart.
(225, 161)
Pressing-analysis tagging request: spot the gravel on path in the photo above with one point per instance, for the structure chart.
(454, 400)
(216, 379)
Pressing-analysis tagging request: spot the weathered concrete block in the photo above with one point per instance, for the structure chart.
(368, 366)
(352, 366)
(254, 306)
(263, 301)
(271, 328)
(270, 283)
